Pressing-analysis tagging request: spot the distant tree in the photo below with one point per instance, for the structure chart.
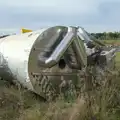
(106, 35)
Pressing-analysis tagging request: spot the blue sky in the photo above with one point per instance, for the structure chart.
(93, 15)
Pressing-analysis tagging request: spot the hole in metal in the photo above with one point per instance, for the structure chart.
(34, 76)
(62, 64)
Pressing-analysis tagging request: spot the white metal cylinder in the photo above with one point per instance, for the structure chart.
(15, 50)
(25, 57)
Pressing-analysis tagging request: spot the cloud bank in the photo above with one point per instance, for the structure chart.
(93, 15)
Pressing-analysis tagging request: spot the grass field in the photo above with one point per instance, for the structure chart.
(117, 59)
(113, 42)
(19, 104)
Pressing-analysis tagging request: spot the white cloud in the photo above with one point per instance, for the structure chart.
(56, 6)
(95, 15)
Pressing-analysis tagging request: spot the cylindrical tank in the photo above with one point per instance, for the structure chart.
(37, 59)
(14, 56)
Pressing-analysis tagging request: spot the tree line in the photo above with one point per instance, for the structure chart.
(107, 35)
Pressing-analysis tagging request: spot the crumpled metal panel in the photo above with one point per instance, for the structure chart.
(54, 45)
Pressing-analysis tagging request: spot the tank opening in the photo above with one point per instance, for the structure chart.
(62, 64)
(33, 76)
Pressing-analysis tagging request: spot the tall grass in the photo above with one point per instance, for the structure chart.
(99, 100)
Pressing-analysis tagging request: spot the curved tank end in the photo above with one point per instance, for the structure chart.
(49, 41)
(41, 50)
(46, 79)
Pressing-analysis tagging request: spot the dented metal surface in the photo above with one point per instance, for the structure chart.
(42, 60)
(56, 51)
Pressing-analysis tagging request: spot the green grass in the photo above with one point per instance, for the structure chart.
(111, 41)
(117, 60)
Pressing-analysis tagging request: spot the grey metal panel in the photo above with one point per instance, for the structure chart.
(70, 58)
(83, 35)
(53, 37)
(62, 47)
(81, 53)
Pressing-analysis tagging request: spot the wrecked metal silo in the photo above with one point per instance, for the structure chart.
(43, 59)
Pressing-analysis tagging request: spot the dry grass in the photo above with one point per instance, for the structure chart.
(100, 101)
